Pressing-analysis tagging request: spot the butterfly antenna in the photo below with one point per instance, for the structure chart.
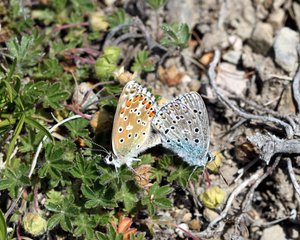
(220, 172)
(103, 149)
(222, 176)
(94, 149)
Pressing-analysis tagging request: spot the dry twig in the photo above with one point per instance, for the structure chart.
(292, 176)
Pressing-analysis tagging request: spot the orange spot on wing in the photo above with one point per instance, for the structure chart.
(143, 102)
(148, 105)
(128, 103)
(151, 114)
(141, 98)
(136, 98)
(122, 110)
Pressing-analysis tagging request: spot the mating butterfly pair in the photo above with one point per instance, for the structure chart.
(181, 126)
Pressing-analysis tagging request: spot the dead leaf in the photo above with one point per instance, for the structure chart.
(142, 176)
(171, 75)
(124, 227)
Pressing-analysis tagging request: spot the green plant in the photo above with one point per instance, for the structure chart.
(3, 227)
(142, 63)
(156, 4)
(176, 34)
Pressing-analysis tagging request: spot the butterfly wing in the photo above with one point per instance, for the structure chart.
(132, 132)
(184, 128)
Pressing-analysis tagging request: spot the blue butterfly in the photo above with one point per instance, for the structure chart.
(183, 126)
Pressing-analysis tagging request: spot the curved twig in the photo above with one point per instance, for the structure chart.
(292, 176)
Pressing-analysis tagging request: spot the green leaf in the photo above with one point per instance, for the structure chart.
(16, 134)
(64, 212)
(3, 227)
(25, 50)
(57, 159)
(175, 35)
(100, 197)
(156, 4)
(85, 170)
(14, 178)
(78, 128)
(142, 63)
(45, 15)
(35, 124)
(183, 174)
(119, 17)
(157, 197)
(54, 220)
(54, 96)
(107, 63)
(127, 195)
(85, 226)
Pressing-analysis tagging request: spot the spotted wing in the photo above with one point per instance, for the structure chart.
(184, 128)
(132, 131)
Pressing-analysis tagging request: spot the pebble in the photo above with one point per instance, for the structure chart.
(232, 56)
(243, 18)
(276, 18)
(183, 12)
(262, 38)
(181, 233)
(285, 49)
(195, 224)
(216, 38)
(274, 232)
(210, 215)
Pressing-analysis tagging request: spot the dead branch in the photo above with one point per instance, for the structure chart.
(269, 145)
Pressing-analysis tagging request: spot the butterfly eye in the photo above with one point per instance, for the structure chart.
(109, 159)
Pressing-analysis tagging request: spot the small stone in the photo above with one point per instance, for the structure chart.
(285, 45)
(194, 85)
(179, 232)
(262, 38)
(249, 58)
(210, 215)
(195, 224)
(274, 231)
(276, 18)
(217, 38)
(182, 11)
(242, 17)
(187, 217)
(232, 56)
(294, 233)
(236, 42)
(278, 3)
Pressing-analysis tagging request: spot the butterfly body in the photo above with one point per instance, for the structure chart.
(184, 128)
(132, 132)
